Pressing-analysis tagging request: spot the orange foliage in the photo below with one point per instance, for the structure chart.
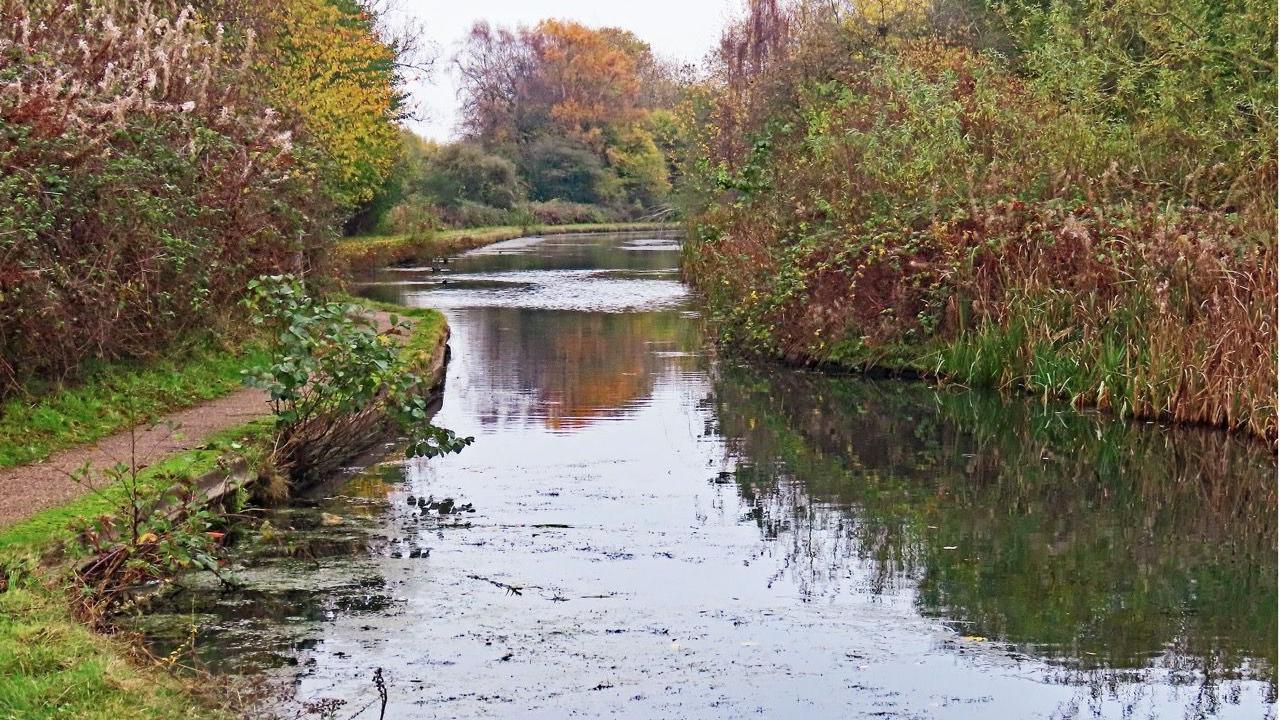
(588, 78)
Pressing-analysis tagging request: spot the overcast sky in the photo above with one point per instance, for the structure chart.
(680, 29)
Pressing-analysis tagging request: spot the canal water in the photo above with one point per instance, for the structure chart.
(643, 530)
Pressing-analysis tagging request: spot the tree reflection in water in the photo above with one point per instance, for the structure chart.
(1112, 550)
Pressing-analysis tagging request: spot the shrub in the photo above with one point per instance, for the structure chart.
(145, 182)
(472, 214)
(336, 381)
(559, 212)
(414, 217)
(563, 169)
(464, 173)
(920, 205)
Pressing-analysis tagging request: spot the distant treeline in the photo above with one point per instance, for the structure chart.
(154, 157)
(561, 124)
(1070, 197)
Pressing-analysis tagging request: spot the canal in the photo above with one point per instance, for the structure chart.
(644, 530)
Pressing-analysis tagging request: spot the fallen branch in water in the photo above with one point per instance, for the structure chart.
(509, 588)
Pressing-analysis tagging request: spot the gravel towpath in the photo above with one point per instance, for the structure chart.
(27, 489)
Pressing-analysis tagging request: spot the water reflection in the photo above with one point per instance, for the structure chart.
(1080, 540)
(565, 369)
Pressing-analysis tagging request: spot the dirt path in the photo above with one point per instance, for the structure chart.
(27, 489)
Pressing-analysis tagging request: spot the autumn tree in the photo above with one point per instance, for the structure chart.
(327, 64)
(571, 104)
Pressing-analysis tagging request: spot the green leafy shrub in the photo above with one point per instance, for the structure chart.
(336, 382)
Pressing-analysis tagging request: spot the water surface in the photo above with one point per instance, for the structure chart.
(642, 531)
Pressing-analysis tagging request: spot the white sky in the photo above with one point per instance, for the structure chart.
(683, 30)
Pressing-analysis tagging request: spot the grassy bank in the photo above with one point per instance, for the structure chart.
(116, 397)
(1182, 333)
(365, 253)
(52, 665)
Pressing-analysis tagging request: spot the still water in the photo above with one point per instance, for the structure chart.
(642, 530)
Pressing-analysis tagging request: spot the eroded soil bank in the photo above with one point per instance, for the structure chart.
(643, 531)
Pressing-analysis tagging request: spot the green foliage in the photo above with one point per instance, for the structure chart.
(328, 361)
(558, 168)
(414, 216)
(634, 155)
(1083, 218)
(463, 172)
(462, 185)
(1190, 83)
(147, 539)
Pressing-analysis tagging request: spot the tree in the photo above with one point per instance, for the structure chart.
(571, 104)
(641, 167)
(494, 65)
(464, 172)
(327, 64)
(566, 169)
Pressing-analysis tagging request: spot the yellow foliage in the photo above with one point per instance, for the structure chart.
(637, 159)
(328, 65)
(590, 75)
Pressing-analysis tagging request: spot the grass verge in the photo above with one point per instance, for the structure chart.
(365, 253)
(116, 397)
(52, 665)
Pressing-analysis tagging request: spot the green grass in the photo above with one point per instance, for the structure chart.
(51, 665)
(114, 398)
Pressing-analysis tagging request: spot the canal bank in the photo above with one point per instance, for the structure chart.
(642, 529)
(148, 496)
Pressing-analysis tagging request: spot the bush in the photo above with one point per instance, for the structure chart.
(923, 206)
(559, 168)
(414, 217)
(559, 212)
(145, 182)
(471, 215)
(463, 173)
(336, 381)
